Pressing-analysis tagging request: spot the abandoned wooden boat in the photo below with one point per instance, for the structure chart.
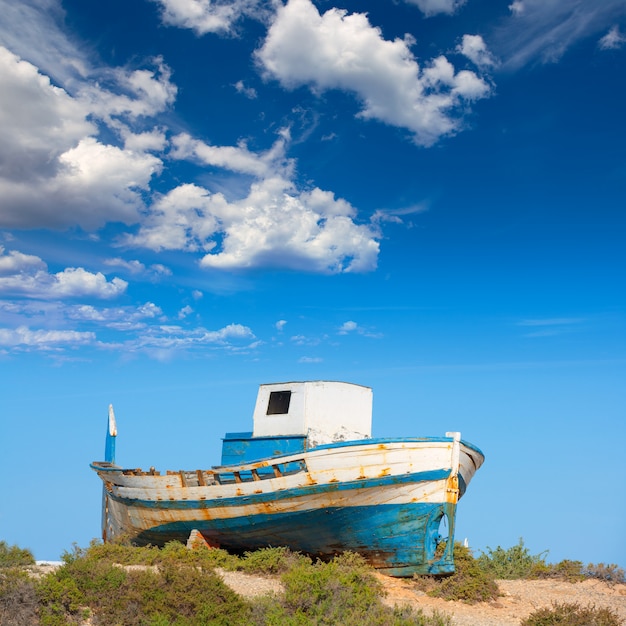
(309, 477)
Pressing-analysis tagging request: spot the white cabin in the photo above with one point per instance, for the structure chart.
(323, 411)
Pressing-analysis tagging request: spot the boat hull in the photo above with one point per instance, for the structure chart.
(384, 499)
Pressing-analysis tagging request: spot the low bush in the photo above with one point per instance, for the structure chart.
(608, 573)
(18, 598)
(572, 615)
(470, 582)
(513, 563)
(342, 591)
(13, 556)
(271, 561)
(171, 592)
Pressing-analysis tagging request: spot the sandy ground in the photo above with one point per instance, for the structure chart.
(519, 598)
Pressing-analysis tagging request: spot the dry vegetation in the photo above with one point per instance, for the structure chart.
(107, 585)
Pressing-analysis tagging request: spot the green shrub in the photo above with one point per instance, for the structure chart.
(470, 583)
(18, 598)
(60, 600)
(572, 615)
(570, 571)
(514, 563)
(173, 592)
(271, 561)
(343, 591)
(13, 556)
(609, 573)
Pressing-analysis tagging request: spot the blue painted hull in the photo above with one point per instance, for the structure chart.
(399, 540)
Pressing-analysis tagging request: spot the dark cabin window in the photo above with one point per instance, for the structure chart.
(279, 402)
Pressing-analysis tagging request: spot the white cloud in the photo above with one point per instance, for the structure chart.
(53, 171)
(612, 40)
(303, 340)
(44, 339)
(137, 93)
(117, 318)
(184, 312)
(248, 92)
(352, 327)
(162, 342)
(347, 327)
(433, 7)
(208, 16)
(154, 140)
(127, 330)
(341, 51)
(132, 267)
(234, 158)
(14, 262)
(137, 268)
(27, 275)
(310, 359)
(275, 225)
(311, 231)
(543, 30)
(475, 49)
(280, 325)
(33, 30)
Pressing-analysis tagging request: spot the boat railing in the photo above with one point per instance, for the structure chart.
(221, 475)
(264, 471)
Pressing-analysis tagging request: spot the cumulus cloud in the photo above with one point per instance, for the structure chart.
(27, 275)
(133, 94)
(338, 50)
(54, 172)
(475, 49)
(280, 325)
(208, 16)
(274, 225)
(126, 318)
(434, 7)
(612, 40)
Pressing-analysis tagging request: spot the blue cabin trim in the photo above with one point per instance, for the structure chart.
(240, 448)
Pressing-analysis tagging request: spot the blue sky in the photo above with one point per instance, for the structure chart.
(424, 196)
